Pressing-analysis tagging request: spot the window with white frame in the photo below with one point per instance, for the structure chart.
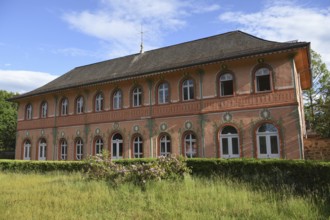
(263, 80)
(163, 94)
(188, 90)
(42, 149)
(98, 146)
(64, 106)
(268, 141)
(165, 146)
(226, 84)
(117, 99)
(99, 102)
(229, 142)
(64, 149)
(137, 97)
(79, 105)
(190, 145)
(138, 147)
(117, 146)
(27, 150)
(28, 113)
(79, 149)
(44, 109)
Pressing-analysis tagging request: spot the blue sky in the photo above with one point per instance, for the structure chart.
(41, 40)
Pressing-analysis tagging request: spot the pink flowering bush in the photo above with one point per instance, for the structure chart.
(101, 167)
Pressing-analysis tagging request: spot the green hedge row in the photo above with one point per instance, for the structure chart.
(299, 174)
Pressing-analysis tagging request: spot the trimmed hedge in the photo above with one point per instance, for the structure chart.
(299, 174)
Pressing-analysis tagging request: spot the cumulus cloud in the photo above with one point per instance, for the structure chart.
(118, 23)
(22, 81)
(285, 21)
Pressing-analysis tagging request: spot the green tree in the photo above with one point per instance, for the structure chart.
(8, 120)
(317, 99)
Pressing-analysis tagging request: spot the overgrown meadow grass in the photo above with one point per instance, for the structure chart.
(69, 196)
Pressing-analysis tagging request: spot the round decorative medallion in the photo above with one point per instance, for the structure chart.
(265, 114)
(163, 126)
(78, 133)
(115, 125)
(227, 117)
(97, 131)
(62, 134)
(136, 128)
(188, 125)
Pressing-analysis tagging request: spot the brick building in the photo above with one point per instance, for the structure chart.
(229, 95)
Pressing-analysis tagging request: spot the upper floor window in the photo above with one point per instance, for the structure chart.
(79, 105)
(117, 99)
(99, 102)
(44, 109)
(163, 94)
(188, 90)
(263, 80)
(137, 97)
(28, 112)
(64, 106)
(226, 84)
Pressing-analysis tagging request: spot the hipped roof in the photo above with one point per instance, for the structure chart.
(225, 46)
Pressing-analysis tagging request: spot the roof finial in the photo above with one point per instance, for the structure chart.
(141, 46)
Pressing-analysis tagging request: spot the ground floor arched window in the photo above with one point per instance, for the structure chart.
(64, 149)
(27, 150)
(190, 145)
(165, 145)
(268, 141)
(229, 142)
(138, 147)
(42, 149)
(98, 145)
(117, 146)
(79, 149)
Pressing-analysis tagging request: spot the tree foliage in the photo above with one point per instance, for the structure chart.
(317, 99)
(8, 120)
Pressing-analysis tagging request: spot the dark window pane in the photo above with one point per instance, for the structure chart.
(191, 91)
(262, 145)
(185, 94)
(263, 83)
(235, 145)
(114, 149)
(120, 149)
(227, 88)
(225, 146)
(229, 130)
(274, 145)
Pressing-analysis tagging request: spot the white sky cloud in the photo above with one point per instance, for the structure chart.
(119, 22)
(23, 81)
(286, 21)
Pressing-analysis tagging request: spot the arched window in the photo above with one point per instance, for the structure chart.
(190, 145)
(64, 106)
(268, 141)
(137, 97)
(42, 149)
(79, 105)
(27, 150)
(163, 94)
(138, 147)
(79, 149)
(263, 80)
(188, 90)
(28, 112)
(117, 99)
(98, 146)
(229, 142)
(165, 145)
(226, 84)
(44, 110)
(99, 102)
(117, 146)
(64, 149)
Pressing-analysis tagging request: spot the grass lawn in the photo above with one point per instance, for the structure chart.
(68, 196)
